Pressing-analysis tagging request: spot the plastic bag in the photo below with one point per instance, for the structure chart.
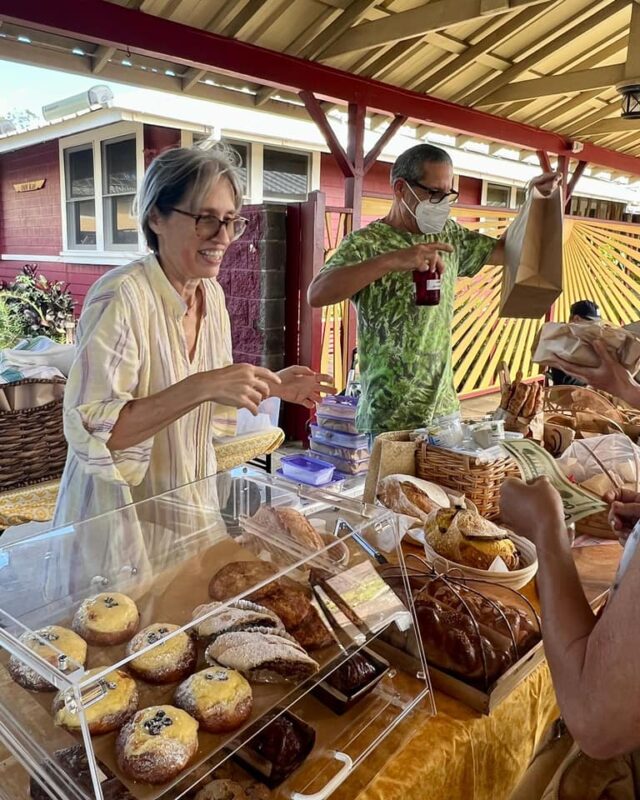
(603, 463)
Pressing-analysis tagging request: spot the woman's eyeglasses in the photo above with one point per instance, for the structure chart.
(208, 225)
(437, 195)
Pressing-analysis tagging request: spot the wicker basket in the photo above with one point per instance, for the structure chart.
(32, 444)
(478, 481)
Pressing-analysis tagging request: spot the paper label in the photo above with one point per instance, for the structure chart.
(434, 285)
(534, 462)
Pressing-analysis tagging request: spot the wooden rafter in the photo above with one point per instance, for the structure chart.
(438, 15)
(581, 23)
(101, 57)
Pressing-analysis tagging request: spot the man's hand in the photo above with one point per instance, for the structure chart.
(546, 182)
(421, 257)
(303, 386)
(624, 511)
(532, 510)
(609, 375)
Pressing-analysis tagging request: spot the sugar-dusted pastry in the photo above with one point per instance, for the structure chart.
(117, 705)
(262, 655)
(168, 662)
(219, 698)
(43, 642)
(236, 617)
(157, 744)
(107, 619)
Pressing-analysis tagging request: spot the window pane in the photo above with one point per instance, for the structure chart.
(80, 173)
(497, 195)
(82, 223)
(120, 166)
(285, 175)
(521, 196)
(242, 152)
(124, 229)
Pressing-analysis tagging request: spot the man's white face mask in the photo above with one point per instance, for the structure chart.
(429, 217)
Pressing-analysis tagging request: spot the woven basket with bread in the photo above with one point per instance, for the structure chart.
(521, 405)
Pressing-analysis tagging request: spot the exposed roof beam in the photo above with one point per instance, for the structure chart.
(566, 83)
(323, 38)
(481, 47)
(548, 46)
(101, 57)
(154, 37)
(436, 16)
(239, 22)
(613, 125)
(578, 127)
(632, 67)
(551, 115)
(191, 77)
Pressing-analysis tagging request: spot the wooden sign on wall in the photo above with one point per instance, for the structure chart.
(29, 186)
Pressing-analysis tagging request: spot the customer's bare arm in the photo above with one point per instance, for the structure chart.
(592, 661)
(341, 283)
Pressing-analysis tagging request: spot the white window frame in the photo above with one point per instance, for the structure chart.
(101, 253)
(513, 193)
(310, 165)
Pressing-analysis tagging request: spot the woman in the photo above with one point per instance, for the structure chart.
(153, 380)
(592, 659)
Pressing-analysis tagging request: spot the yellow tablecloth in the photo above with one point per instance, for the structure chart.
(37, 503)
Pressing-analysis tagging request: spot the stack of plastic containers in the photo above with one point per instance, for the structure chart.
(334, 438)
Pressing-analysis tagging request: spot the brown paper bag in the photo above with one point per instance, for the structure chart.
(574, 343)
(532, 275)
(393, 453)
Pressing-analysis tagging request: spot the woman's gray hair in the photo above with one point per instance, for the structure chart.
(185, 175)
(410, 165)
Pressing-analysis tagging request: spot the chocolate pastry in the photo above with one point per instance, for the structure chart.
(353, 675)
(283, 744)
(73, 761)
(262, 655)
(238, 616)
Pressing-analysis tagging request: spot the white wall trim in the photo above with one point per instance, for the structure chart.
(256, 166)
(315, 171)
(89, 259)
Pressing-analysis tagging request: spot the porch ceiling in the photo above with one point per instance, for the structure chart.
(550, 64)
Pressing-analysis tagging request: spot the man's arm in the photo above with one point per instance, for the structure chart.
(593, 664)
(342, 282)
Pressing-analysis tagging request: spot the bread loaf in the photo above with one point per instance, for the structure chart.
(414, 497)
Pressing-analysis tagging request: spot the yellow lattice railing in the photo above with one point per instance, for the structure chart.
(601, 263)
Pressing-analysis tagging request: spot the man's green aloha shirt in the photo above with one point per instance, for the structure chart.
(404, 350)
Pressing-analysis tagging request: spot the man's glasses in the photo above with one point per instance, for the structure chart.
(208, 225)
(437, 195)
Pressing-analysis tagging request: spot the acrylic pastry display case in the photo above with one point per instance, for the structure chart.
(191, 560)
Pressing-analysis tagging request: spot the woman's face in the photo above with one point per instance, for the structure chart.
(196, 254)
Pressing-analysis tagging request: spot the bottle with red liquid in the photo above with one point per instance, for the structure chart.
(427, 287)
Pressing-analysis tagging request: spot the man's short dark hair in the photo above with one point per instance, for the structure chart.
(586, 309)
(410, 165)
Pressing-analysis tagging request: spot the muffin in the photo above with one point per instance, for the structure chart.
(109, 713)
(107, 619)
(220, 699)
(168, 662)
(43, 642)
(157, 744)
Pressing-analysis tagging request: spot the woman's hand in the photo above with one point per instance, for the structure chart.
(609, 375)
(239, 385)
(303, 386)
(533, 510)
(624, 511)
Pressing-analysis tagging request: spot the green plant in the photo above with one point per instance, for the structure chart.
(42, 306)
(11, 329)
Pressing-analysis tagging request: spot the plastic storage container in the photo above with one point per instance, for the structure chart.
(338, 406)
(337, 424)
(311, 471)
(163, 553)
(344, 453)
(348, 440)
(347, 466)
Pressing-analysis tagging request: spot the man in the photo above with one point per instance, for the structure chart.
(404, 350)
(580, 312)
